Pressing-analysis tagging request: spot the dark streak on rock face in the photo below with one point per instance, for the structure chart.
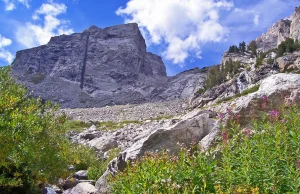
(84, 60)
(101, 67)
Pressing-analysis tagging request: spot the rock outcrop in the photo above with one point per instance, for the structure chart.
(100, 67)
(285, 28)
(289, 61)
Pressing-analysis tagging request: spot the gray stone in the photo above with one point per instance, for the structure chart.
(81, 175)
(82, 188)
(101, 67)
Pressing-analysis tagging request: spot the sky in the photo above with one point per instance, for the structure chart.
(186, 33)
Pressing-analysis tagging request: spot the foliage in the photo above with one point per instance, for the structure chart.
(200, 91)
(270, 61)
(110, 125)
(289, 45)
(218, 74)
(76, 125)
(240, 49)
(33, 146)
(262, 159)
(243, 93)
(259, 59)
(96, 170)
(253, 47)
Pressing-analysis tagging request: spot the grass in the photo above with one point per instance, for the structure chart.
(109, 125)
(263, 158)
(243, 93)
(106, 125)
(76, 125)
(96, 170)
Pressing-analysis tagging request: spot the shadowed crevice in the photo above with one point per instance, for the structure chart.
(84, 61)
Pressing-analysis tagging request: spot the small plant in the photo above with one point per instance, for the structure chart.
(77, 125)
(243, 93)
(200, 91)
(98, 167)
(110, 125)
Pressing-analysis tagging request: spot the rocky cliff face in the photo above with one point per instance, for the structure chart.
(100, 67)
(285, 28)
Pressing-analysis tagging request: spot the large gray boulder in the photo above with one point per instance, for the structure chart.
(183, 131)
(82, 188)
(100, 67)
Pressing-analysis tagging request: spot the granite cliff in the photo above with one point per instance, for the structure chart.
(101, 67)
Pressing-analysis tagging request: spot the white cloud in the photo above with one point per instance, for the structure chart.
(11, 4)
(34, 34)
(183, 25)
(4, 54)
(25, 2)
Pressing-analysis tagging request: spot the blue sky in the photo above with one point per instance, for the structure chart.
(186, 33)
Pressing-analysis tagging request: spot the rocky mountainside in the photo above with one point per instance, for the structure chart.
(100, 67)
(110, 66)
(285, 28)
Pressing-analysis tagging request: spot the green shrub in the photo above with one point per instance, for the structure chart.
(110, 125)
(200, 91)
(77, 125)
(270, 61)
(243, 93)
(264, 158)
(97, 169)
(33, 146)
(289, 45)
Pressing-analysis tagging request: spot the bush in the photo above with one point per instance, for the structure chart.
(289, 45)
(33, 146)
(261, 159)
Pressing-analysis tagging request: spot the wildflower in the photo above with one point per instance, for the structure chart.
(283, 120)
(221, 116)
(264, 99)
(274, 115)
(225, 136)
(247, 132)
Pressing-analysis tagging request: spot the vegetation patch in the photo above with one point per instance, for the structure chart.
(33, 146)
(109, 125)
(96, 170)
(243, 93)
(264, 158)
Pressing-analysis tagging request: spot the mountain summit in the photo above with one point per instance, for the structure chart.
(100, 67)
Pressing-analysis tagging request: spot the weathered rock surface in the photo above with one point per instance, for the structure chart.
(245, 79)
(129, 112)
(289, 61)
(275, 35)
(183, 131)
(279, 89)
(82, 188)
(285, 28)
(100, 67)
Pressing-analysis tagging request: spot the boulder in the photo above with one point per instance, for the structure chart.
(81, 175)
(82, 188)
(189, 129)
